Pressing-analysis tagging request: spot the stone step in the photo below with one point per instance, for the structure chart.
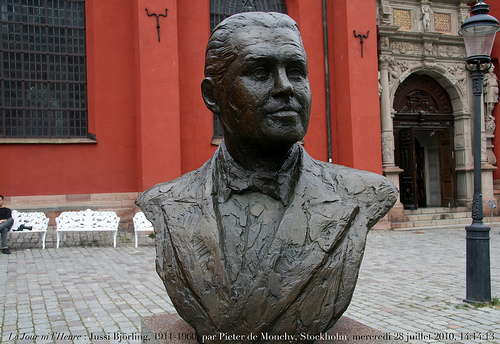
(431, 223)
(438, 216)
(494, 227)
(461, 221)
(436, 210)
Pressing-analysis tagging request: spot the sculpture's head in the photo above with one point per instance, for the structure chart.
(256, 81)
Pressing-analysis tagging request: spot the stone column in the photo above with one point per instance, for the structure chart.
(391, 171)
(386, 117)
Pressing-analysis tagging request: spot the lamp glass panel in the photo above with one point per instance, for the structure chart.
(479, 39)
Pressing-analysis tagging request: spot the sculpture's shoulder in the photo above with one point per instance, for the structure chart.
(373, 186)
(367, 190)
(187, 187)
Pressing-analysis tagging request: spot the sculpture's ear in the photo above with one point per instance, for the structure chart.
(208, 93)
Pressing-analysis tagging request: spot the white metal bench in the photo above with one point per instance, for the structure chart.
(87, 221)
(37, 220)
(141, 224)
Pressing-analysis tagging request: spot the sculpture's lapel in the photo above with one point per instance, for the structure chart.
(313, 225)
(195, 239)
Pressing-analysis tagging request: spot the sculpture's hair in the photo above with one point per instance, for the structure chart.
(220, 52)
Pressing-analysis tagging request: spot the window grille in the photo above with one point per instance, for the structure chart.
(43, 83)
(221, 9)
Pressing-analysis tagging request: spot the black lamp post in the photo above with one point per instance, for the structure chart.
(479, 33)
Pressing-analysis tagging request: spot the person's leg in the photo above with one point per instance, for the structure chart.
(4, 229)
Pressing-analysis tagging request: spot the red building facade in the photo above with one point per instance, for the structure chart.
(147, 122)
(146, 111)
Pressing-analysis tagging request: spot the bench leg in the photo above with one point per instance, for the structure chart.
(114, 238)
(58, 238)
(136, 239)
(42, 236)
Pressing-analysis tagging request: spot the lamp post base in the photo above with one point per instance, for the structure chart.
(478, 263)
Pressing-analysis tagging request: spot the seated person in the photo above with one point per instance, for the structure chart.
(6, 222)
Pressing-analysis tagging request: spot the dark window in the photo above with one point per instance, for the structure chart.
(221, 9)
(43, 83)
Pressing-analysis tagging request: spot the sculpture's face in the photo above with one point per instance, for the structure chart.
(266, 96)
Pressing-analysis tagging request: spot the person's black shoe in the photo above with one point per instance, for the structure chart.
(23, 227)
(5, 251)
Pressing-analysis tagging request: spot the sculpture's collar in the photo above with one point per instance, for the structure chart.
(230, 177)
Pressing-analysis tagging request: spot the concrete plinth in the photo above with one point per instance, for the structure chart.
(172, 329)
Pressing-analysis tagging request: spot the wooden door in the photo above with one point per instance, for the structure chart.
(408, 163)
(447, 167)
(420, 174)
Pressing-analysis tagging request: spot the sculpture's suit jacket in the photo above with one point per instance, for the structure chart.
(306, 279)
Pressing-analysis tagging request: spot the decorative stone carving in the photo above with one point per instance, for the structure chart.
(463, 13)
(490, 87)
(385, 12)
(396, 69)
(490, 155)
(442, 50)
(459, 73)
(490, 99)
(407, 48)
(379, 85)
(428, 47)
(426, 15)
(484, 151)
(388, 148)
(384, 42)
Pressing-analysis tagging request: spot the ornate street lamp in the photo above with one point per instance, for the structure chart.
(479, 34)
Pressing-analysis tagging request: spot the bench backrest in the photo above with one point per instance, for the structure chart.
(88, 219)
(37, 220)
(141, 222)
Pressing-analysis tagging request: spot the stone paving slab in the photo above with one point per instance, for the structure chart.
(411, 286)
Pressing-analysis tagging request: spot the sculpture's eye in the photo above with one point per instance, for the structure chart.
(260, 73)
(296, 73)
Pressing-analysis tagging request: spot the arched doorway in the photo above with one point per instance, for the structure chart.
(423, 132)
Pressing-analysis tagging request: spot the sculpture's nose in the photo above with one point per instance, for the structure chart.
(282, 85)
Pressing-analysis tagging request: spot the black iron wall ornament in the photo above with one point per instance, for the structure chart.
(157, 20)
(361, 39)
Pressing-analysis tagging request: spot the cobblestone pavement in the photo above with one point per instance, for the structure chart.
(411, 284)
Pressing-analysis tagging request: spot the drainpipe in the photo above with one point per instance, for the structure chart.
(327, 82)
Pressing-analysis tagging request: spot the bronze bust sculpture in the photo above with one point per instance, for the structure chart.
(262, 240)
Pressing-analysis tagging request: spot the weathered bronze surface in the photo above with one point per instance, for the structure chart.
(262, 240)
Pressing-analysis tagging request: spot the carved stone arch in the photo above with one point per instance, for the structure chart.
(455, 88)
(422, 93)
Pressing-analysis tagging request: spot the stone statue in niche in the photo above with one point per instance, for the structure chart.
(426, 16)
(490, 86)
(262, 239)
